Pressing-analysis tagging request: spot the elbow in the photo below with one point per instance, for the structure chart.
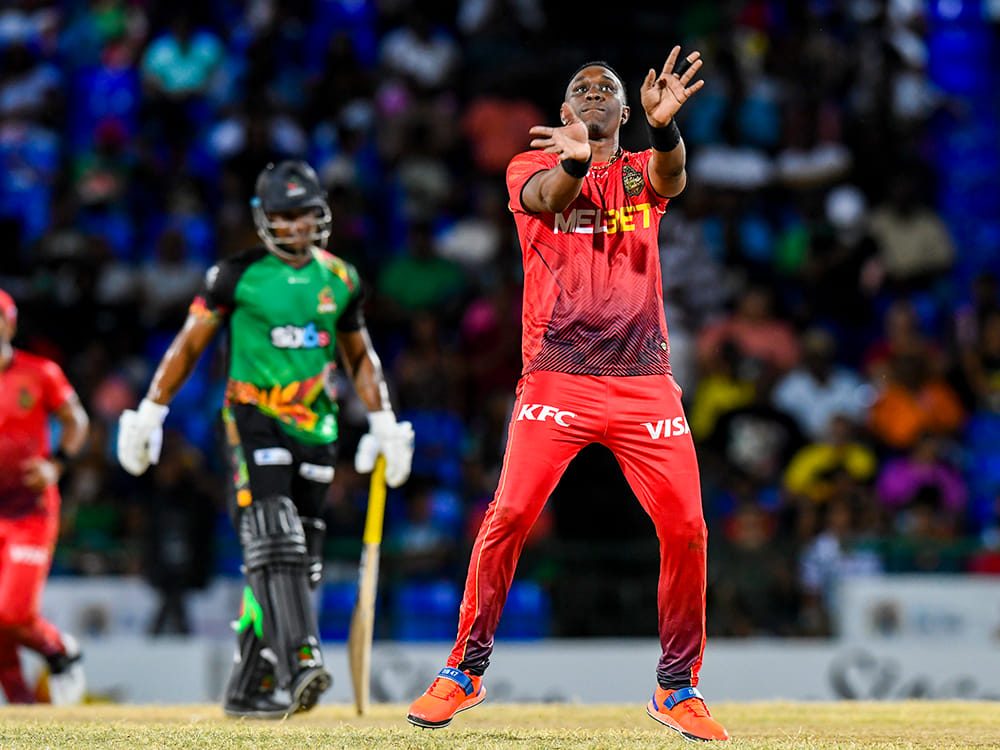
(555, 206)
(82, 423)
(673, 185)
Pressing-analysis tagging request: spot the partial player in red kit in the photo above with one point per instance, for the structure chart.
(32, 389)
(596, 370)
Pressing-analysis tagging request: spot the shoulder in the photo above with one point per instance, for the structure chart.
(37, 364)
(533, 160)
(243, 259)
(339, 267)
(222, 279)
(231, 268)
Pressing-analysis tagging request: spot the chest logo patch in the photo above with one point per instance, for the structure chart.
(24, 399)
(327, 304)
(632, 180)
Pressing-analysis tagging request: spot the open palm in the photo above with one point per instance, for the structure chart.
(663, 95)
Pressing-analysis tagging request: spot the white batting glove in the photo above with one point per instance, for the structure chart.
(392, 439)
(140, 436)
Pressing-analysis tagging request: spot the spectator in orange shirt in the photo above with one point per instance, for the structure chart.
(496, 127)
(914, 401)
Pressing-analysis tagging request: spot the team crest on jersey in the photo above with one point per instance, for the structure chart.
(632, 180)
(24, 399)
(327, 304)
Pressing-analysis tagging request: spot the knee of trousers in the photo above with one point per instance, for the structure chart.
(686, 531)
(14, 620)
(271, 534)
(510, 521)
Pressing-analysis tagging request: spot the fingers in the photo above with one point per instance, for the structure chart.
(694, 88)
(543, 130)
(364, 458)
(690, 72)
(668, 66)
(685, 64)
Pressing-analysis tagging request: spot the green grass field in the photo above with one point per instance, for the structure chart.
(816, 726)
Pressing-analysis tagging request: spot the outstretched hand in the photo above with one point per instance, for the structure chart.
(663, 95)
(571, 141)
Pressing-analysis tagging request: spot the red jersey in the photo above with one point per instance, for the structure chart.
(593, 297)
(31, 389)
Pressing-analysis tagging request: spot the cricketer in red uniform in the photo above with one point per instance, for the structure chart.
(32, 389)
(596, 369)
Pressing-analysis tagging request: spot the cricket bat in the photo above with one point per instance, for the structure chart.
(359, 640)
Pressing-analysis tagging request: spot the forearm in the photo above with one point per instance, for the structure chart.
(555, 190)
(74, 427)
(369, 382)
(667, 167)
(173, 371)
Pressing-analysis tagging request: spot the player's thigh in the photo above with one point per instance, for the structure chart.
(25, 559)
(314, 471)
(650, 437)
(261, 459)
(555, 415)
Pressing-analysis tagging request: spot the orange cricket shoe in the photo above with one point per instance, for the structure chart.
(685, 711)
(452, 691)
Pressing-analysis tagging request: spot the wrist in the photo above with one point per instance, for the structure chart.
(62, 459)
(576, 168)
(380, 421)
(665, 138)
(150, 410)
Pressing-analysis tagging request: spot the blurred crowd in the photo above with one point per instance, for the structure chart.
(838, 347)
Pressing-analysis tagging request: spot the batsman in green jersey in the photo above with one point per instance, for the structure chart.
(290, 305)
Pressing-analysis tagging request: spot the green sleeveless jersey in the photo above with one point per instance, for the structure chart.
(283, 323)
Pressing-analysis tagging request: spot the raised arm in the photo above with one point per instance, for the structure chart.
(662, 97)
(555, 189)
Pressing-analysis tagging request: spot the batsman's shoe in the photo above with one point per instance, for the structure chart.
(258, 706)
(685, 711)
(452, 691)
(307, 687)
(66, 681)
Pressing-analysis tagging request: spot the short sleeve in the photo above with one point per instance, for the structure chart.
(353, 317)
(57, 390)
(522, 168)
(217, 295)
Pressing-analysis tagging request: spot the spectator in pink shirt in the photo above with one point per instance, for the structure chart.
(756, 332)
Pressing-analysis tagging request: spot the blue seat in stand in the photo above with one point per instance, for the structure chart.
(335, 608)
(425, 611)
(527, 614)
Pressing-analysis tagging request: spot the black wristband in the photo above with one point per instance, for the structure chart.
(577, 169)
(62, 456)
(665, 138)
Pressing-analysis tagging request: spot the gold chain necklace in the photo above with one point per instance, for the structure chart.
(608, 163)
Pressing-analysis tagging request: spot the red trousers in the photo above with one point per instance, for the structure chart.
(26, 545)
(641, 420)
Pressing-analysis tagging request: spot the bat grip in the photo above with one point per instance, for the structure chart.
(376, 504)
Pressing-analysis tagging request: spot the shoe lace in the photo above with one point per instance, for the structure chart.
(444, 689)
(697, 707)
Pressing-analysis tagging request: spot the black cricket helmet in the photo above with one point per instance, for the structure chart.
(290, 186)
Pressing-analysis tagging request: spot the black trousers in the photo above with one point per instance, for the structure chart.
(265, 460)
